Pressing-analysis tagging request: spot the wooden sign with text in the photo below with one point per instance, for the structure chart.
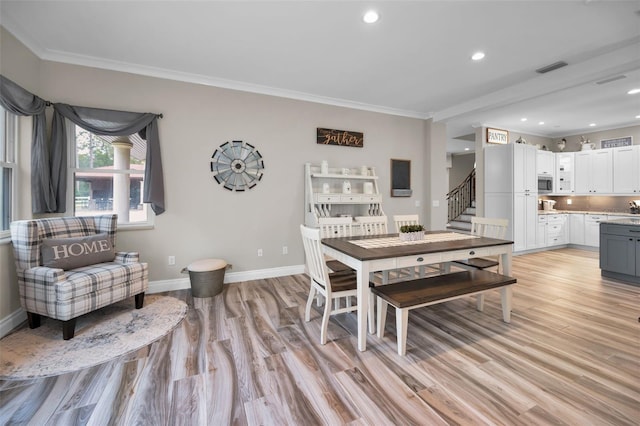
(497, 136)
(340, 137)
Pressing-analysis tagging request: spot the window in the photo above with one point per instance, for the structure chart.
(8, 168)
(108, 176)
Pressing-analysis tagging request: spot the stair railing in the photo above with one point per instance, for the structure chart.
(461, 197)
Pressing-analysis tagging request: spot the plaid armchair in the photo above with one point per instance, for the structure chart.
(66, 294)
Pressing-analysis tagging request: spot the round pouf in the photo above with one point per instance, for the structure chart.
(207, 277)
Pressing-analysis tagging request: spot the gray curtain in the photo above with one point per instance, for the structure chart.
(19, 101)
(109, 123)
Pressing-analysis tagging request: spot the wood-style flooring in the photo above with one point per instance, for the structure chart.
(571, 356)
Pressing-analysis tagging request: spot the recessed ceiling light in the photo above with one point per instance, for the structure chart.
(541, 122)
(637, 116)
(592, 125)
(477, 56)
(523, 119)
(370, 17)
(633, 91)
(467, 149)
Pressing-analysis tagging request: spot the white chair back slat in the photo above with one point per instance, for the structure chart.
(489, 227)
(372, 225)
(335, 227)
(405, 219)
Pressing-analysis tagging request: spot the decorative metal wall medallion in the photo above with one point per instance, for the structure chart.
(237, 165)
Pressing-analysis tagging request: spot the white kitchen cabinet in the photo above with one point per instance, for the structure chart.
(626, 169)
(541, 232)
(576, 228)
(565, 173)
(592, 229)
(340, 191)
(545, 163)
(511, 191)
(525, 221)
(593, 172)
(556, 230)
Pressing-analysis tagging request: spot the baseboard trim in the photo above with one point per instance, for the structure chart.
(11, 321)
(229, 277)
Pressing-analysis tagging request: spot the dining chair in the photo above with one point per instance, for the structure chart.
(405, 219)
(336, 227)
(485, 227)
(412, 219)
(330, 286)
(372, 225)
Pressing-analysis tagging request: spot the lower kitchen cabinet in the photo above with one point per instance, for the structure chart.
(592, 229)
(620, 251)
(576, 228)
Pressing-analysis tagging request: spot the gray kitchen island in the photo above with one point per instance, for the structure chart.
(620, 249)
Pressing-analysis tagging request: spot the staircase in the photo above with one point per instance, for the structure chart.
(461, 204)
(462, 223)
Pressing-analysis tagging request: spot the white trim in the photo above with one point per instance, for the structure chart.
(101, 63)
(10, 322)
(229, 277)
(17, 317)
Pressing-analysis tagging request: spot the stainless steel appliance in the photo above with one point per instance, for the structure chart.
(545, 184)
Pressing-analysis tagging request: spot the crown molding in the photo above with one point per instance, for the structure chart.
(148, 71)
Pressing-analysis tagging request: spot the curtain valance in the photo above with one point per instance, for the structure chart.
(19, 101)
(109, 123)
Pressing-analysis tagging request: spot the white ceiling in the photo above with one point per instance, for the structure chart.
(414, 62)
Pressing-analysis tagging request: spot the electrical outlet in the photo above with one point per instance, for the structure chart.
(171, 261)
(259, 252)
(285, 250)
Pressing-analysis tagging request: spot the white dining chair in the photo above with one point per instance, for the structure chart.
(336, 227)
(372, 225)
(405, 219)
(485, 227)
(330, 286)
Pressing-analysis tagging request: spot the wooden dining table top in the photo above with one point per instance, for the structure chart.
(346, 246)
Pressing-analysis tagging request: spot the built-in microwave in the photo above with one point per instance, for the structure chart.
(545, 184)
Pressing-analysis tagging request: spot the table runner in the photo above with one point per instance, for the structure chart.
(396, 241)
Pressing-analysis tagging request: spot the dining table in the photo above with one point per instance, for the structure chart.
(374, 253)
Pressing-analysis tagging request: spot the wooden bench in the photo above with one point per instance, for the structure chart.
(408, 295)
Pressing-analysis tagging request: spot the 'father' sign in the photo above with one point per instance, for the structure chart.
(340, 137)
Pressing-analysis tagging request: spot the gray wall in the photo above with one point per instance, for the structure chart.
(461, 166)
(203, 219)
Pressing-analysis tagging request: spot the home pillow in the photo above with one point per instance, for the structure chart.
(71, 253)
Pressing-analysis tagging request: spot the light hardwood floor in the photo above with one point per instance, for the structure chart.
(571, 356)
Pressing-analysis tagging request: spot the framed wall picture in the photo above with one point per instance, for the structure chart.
(401, 178)
(339, 137)
(497, 136)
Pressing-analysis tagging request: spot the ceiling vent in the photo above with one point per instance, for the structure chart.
(609, 80)
(551, 67)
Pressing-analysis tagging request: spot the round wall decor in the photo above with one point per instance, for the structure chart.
(237, 165)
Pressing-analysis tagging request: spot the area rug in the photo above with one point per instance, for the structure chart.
(100, 336)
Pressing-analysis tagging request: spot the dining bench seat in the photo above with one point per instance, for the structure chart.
(421, 292)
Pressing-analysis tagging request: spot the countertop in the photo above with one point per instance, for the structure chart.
(586, 212)
(626, 221)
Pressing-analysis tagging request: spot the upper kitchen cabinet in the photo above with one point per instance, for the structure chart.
(545, 163)
(510, 168)
(565, 173)
(593, 172)
(626, 169)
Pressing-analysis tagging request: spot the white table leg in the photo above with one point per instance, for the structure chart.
(506, 293)
(402, 321)
(505, 298)
(363, 305)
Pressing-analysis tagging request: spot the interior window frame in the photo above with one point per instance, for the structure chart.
(9, 157)
(73, 169)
